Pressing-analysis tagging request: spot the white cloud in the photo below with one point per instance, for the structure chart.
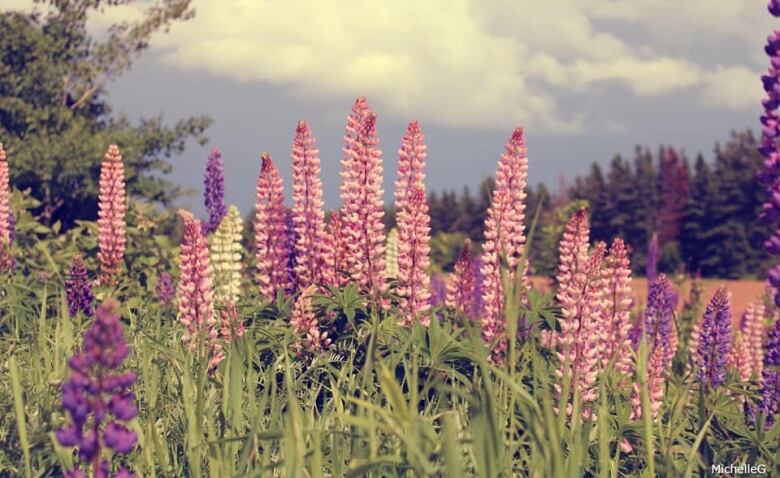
(471, 63)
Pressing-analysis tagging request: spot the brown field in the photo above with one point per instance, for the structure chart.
(743, 292)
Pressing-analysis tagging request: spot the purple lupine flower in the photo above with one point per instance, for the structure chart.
(657, 320)
(78, 289)
(770, 173)
(715, 342)
(438, 291)
(637, 329)
(96, 393)
(770, 383)
(652, 259)
(165, 289)
(214, 191)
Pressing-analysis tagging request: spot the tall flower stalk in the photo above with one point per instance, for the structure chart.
(271, 242)
(770, 173)
(413, 227)
(414, 283)
(363, 208)
(195, 292)
(98, 397)
(78, 289)
(111, 216)
(307, 212)
(226, 256)
(579, 343)
(214, 191)
(616, 299)
(460, 286)
(6, 217)
(493, 324)
(715, 342)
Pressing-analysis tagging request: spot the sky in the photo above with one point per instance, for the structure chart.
(585, 78)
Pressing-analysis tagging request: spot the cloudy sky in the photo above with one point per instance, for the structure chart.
(586, 78)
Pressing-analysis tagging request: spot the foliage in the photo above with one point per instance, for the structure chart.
(55, 120)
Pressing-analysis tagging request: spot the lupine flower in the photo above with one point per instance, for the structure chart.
(391, 253)
(579, 343)
(363, 208)
(97, 397)
(336, 252)
(305, 324)
(414, 283)
(271, 239)
(292, 252)
(652, 259)
(479, 281)
(226, 257)
(754, 331)
(78, 289)
(616, 308)
(460, 287)
(411, 165)
(740, 358)
(165, 289)
(656, 328)
(195, 292)
(6, 234)
(231, 325)
(770, 174)
(511, 178)
(492, 288)
(715, 342)
(111, 216)
(214, 191)
(307, 213)
(770, 376)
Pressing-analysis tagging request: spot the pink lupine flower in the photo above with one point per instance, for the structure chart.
(492, 286)
(616, 299)
(754, 332)
(511, 178)
(307, 212)
(460, 287)
(271, 240)
(305, 324)
(6, 261)
(231, 324)
(579, 343)
(195, 291)
(656, 378)
(336, 252)
(411, 165)
(740, 358)
(111, 216)
(414, 283)
(363, 208)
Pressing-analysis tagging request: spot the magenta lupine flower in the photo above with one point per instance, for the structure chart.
(271, 241)
(6, 229)
(616, 302)
(336, 252)
(658, 317)
(770, 377)
(165, 289)
(78, 289)
(305, 324)
(214, 191)
(363, 208)
(195, 291)
(770, 174)
(715, 342)
(652, 259)
(97, 397)
(460, 287)
(111, 216)
(307, 212)
(414, 283)
(492, 287)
